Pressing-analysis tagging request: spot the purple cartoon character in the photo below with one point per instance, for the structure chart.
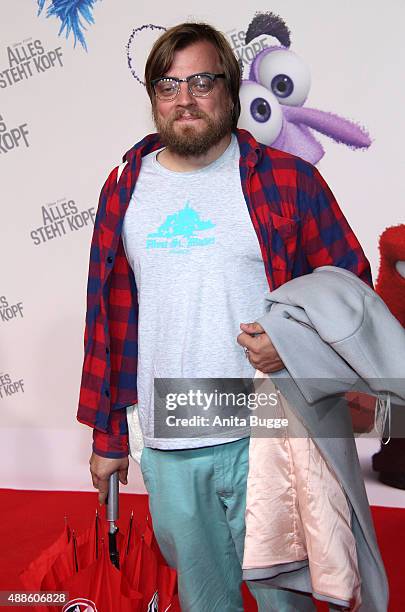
(272, 99)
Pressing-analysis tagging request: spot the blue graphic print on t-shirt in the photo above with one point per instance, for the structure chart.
(179, 231)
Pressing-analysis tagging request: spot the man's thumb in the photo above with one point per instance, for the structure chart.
(123, 476)
(251, 328)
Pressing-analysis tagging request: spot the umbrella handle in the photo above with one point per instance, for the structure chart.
(112, 516)
(112, 499)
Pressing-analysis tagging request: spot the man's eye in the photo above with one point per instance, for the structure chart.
(166, 86)
(202, 84)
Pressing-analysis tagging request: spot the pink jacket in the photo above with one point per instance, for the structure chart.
(297, 515)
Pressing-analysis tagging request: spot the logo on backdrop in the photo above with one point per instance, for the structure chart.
(178, 231)
(12, 138)
(9, 387)
(61, 218)
(245, 52)
(27, 59)
(10, 311)
(79, 605)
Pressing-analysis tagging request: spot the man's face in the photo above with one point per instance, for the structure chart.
(190, 125)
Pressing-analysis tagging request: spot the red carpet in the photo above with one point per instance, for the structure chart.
(31, 521)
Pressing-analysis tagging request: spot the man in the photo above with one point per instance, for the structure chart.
(167, 301)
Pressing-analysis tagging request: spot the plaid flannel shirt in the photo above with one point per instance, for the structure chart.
(299, 227)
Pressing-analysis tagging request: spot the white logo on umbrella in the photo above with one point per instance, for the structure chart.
(80, 605)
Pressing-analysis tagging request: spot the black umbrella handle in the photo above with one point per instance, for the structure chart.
(113, 550)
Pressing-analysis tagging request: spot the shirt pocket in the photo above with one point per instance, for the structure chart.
(283, 246)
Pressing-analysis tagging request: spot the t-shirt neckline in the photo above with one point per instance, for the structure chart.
(222, 159)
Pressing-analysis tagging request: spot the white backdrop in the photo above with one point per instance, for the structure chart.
(66, 118)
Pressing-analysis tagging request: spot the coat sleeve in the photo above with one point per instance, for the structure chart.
(327, 238)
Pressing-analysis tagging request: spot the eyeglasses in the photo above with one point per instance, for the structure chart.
(199, 85)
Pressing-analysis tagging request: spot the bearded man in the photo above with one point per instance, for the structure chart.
(203, 221)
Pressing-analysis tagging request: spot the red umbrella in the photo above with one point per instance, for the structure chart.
(33, 575)
(146, 569)
(167, 589)
(104, 587)
(87, 546)
(55, 562)
(81, 565)
(80, 552)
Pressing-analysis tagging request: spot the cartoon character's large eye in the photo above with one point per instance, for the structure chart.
(286, 75)
(260, 112)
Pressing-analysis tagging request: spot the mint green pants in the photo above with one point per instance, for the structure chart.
(197, 500)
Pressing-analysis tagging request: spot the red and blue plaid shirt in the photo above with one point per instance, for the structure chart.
(299, 227)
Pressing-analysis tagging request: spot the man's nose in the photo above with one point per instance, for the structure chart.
(184, 96)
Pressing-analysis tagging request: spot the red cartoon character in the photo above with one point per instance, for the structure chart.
(390, 285)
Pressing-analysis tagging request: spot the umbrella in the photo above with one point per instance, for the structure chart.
(103, 587)
(32, 576)
(147, 571)
(127, 574)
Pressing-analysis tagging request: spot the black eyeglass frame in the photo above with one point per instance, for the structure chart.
(187, 80)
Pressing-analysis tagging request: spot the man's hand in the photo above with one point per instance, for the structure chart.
(101, 469)
(262, 354)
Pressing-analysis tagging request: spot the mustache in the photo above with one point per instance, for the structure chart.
(192, 112)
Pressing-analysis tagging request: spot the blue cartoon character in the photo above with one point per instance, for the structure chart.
(273, 98)
(71, 14)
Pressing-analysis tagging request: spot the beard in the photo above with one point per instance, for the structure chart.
(188, 141)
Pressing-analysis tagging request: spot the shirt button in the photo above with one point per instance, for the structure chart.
(106, 393)
(109, 259)
(107, 350)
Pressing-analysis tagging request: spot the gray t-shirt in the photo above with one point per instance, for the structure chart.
(199, 272)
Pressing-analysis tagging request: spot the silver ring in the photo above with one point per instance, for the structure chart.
(246, 353)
